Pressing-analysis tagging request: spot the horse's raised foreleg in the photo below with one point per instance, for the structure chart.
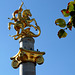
(9, 25)
(34, 21)
(34, 27)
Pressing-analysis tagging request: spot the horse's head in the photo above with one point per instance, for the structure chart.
(26, 13)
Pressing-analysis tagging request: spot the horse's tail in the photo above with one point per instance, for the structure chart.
(16, 37)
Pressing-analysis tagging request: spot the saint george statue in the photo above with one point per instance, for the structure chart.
(22, 22)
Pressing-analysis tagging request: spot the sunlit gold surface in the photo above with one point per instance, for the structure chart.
(22, 21)
(27, 56)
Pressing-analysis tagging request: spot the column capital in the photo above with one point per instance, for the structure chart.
(25, 55)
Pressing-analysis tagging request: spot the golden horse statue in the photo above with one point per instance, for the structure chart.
(21, 22)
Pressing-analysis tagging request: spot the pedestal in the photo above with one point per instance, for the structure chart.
(27, 43)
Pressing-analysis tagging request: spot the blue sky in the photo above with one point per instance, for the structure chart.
(60, 53)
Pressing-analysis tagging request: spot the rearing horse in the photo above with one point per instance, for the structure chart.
(22, 21)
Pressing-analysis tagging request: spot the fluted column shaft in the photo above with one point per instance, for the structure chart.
(27, 68)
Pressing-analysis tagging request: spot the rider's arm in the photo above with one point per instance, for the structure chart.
(21, 6)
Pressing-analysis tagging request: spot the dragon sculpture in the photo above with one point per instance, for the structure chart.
(22, 22)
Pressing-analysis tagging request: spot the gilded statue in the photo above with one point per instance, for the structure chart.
(22, 22)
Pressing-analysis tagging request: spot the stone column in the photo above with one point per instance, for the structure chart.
(27, 68)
